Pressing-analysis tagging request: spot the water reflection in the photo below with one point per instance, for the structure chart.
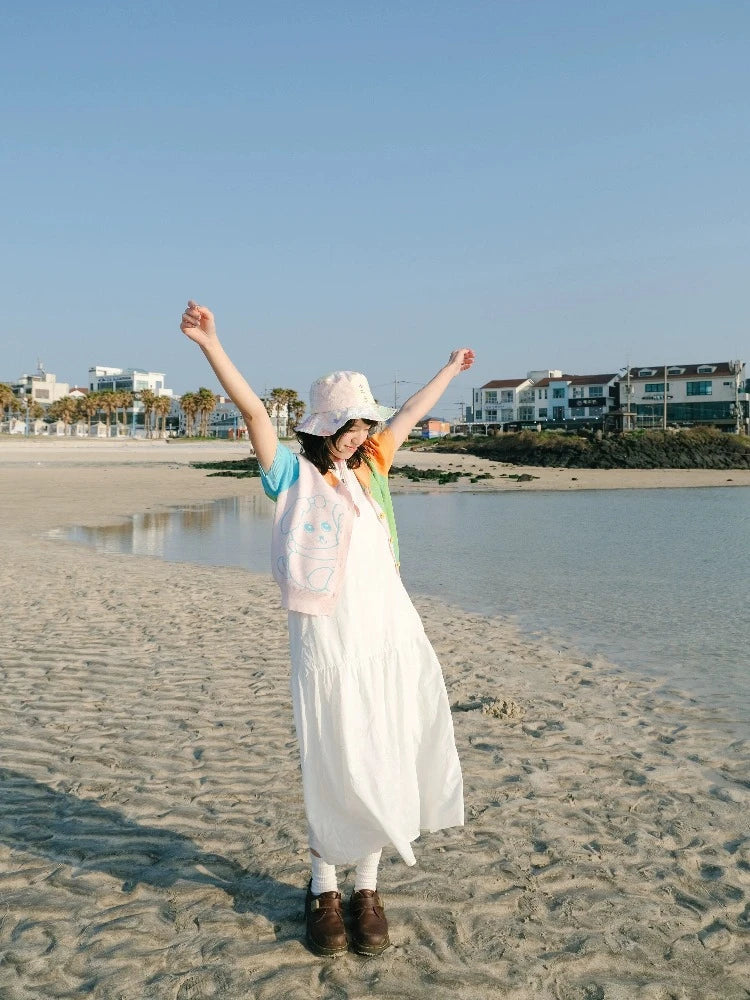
(231, 532)
(652, 579)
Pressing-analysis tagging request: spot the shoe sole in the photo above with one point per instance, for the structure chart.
(370, 951)
(325, 952)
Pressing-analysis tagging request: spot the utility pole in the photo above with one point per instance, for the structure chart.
(627, 416)
(664, 416)
(735, 368)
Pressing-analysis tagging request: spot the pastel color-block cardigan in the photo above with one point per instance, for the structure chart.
(313, 522)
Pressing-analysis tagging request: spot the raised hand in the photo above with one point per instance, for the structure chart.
(198, 324)
(461, 360)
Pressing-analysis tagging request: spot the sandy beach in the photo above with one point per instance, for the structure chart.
(152, 835)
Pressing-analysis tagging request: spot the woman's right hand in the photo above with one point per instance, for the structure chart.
(198, 324)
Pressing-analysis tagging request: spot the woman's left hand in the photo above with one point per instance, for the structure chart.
(461, 360)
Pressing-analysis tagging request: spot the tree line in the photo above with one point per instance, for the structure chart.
(92, 406)
(283, 406)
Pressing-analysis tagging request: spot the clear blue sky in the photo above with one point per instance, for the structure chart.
(367, 185)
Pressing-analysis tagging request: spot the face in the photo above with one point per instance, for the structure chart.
(348, 442)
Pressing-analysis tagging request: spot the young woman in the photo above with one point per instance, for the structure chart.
(378, 756)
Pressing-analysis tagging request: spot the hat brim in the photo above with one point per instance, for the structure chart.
(326, 423)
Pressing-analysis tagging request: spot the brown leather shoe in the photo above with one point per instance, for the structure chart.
(326, 934)
(369, 926)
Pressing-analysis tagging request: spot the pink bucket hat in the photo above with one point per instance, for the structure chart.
(339, 397)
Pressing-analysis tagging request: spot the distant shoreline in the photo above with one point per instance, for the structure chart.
(17, 454)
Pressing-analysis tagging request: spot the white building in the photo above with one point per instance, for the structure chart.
(574, 397)
(510, 400)
(710, 393)
(105, 379)
(499, 401)
(226, 421)
(42, 387)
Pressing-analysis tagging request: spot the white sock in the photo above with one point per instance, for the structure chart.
(366, 872)
(323, 876)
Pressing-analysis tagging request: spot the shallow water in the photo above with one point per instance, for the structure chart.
(654, 580)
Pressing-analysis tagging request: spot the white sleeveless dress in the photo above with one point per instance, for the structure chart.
(373, 722)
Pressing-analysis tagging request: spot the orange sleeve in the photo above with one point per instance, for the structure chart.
(381, 449)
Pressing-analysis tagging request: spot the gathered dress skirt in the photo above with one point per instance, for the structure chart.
(377, 750)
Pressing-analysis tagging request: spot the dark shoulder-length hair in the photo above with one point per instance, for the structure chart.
(316, 449)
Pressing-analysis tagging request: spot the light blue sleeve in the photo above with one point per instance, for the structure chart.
(283, 472)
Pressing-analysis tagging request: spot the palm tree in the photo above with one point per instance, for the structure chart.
(189, 404)
(62, 409)
(295, 410)
(89, 407)
(124, 400)
(80, 413)
(148, 399)
(6, 398)
(279, 401)
(206, 406)
(108, 403)
(162, 406)
(285, 404)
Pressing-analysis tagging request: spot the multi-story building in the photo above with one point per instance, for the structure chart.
(572, 397)
(104, 379)
(710, 393)
(498, 401)
(226, 421)
(42, 387)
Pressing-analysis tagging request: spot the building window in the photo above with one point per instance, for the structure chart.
(558, 393)
(526, 413)
(477, 414)
(506, 396)
(706, 369)
(656, 387)
(542, 412)
(596, 390)
(647, 372)
(490, 396)
(674, 370)
(699, 388)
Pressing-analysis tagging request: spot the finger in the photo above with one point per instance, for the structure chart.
(203, 311)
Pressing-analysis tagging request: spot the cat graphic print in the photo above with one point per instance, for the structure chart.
(310, 529)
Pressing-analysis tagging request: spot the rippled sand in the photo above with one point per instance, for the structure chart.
(151, 824)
